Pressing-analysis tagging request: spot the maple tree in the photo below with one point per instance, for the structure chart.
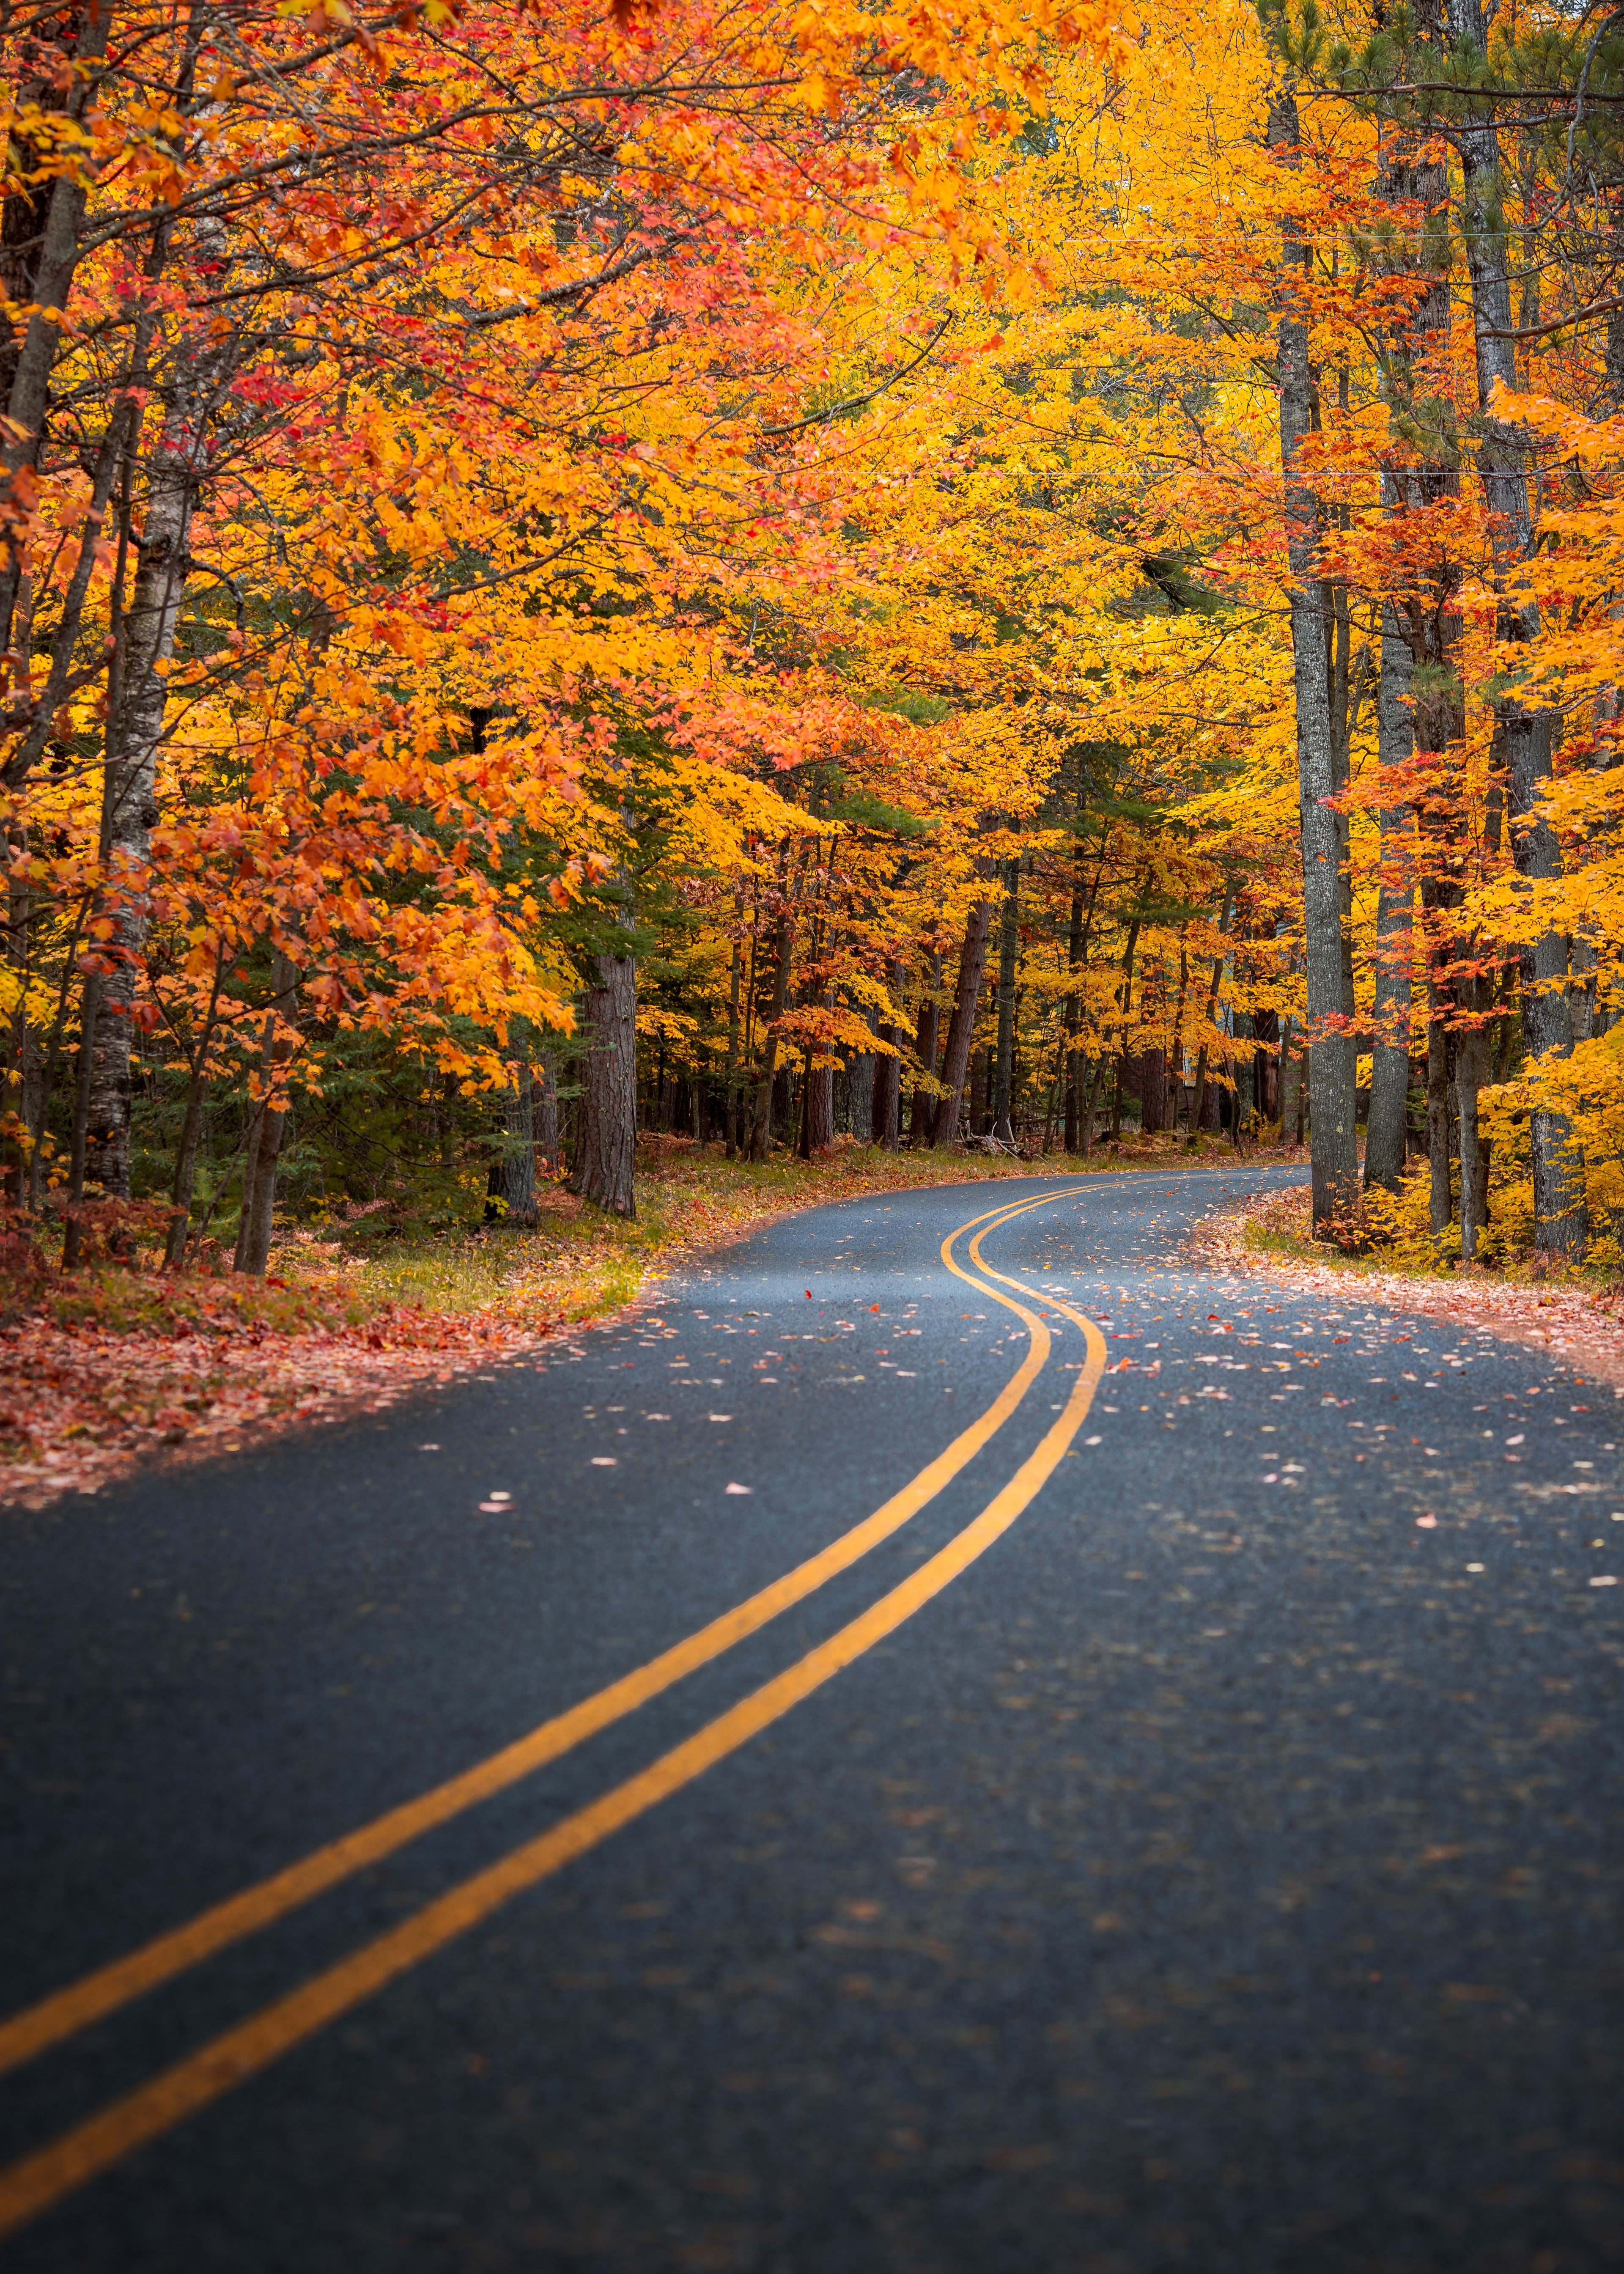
(751, 570)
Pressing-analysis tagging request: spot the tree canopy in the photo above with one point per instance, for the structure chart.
(783, 573)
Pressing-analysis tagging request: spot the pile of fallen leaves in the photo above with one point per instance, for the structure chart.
(1583, 1325)
(85, 1400)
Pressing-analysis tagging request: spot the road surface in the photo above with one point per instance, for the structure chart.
(957, 1740)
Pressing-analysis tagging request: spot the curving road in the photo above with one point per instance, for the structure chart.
(958, 1742)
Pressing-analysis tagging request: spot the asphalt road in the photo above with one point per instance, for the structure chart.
(1220, 1871)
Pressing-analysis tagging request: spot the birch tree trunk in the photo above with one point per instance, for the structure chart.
(132, 807)
(1333, 1149)
(176, 469)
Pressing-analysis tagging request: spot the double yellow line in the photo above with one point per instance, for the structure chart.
(37, 2181)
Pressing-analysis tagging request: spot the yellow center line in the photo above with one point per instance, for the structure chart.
(1067, 1309)
(32, 2185)
(27, 2034)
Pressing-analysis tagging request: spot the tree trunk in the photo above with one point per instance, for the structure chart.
(1176, 1055)
(1332, 1056)
(1384, 1141)
(886, 1127)
(1153, 1088)
(607, 1151)
(38, 261)
(1408, 175)
(254, 1245)
(1471, 1067)
(545, 1111)
(980, 1091)
(87, 1028)
(1560, 1227)
(817, 1116)
(511, 1193)
(186, 1151)
(16, 1103)
(961, 1026)
(1244, 1102)
(859, 1095)
(1197, 1103)
(731, 1106)
(1072, 1007)
(921, 1112)
(1008, 948)
(1052, 1107)
(251, 1150)
(761, 1122)
(1266, 1065)
(1438, 1076)
(1125, 1003)
(1285, 1089)
(135, 731)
